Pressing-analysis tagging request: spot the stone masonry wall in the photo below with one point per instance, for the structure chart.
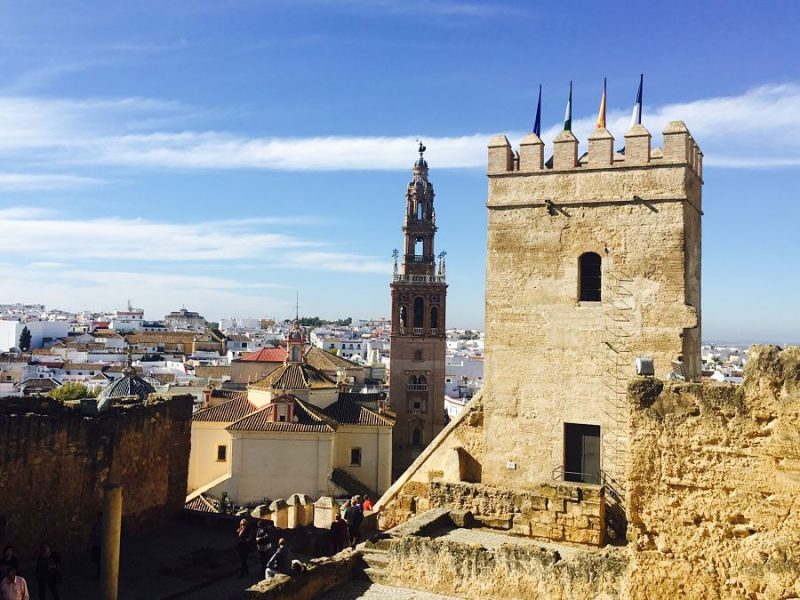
(714, 501)
(550, 357)
(561, 513)
(54, 464)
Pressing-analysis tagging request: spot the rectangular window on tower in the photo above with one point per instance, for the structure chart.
(355, 457)
(222, 453)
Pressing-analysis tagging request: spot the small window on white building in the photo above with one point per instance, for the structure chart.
(355, 457)
(222, 453)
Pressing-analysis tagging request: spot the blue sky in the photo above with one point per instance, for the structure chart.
(223, 155)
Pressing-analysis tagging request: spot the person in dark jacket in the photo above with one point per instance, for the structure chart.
(339, 534)
(281, 561)
(354, 517)
(48, 572)
(8, 560)
(244, 544)
(265, 544)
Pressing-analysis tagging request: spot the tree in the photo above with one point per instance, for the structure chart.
(25, 339)
(71, 391)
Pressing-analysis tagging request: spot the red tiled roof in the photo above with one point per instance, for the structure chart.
(266, 355)
(309, 419)
(227, 412)
(348, 412)
(295, 376)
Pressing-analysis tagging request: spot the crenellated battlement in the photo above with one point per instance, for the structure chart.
(679, 148)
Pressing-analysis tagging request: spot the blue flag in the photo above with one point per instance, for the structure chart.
(636, 117)
(537, 123)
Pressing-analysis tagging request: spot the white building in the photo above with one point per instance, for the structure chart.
(42, 333)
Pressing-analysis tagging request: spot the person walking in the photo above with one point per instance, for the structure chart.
(243, 546)
(48, 572)
(354, 517)
(14, 587)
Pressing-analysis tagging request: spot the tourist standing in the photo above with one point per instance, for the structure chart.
(339, 536)
(48, 572)
(367, 506)
(14, 587)
(243, 545)
(264, 544)
(354, 517)
(8, 560)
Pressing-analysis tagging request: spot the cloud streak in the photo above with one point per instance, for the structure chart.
(759, 128)
(227, 241)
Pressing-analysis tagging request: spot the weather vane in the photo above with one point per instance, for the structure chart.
(422, 148)
(395, 253)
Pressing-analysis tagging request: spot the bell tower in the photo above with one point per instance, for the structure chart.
(418, 288)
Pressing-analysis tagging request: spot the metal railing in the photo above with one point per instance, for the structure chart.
(561, 474)
(419, 278)
(418, 331)
(417, 387)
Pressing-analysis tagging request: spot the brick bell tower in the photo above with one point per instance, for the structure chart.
(419, 291)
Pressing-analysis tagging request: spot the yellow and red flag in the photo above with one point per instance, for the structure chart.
(601, 115)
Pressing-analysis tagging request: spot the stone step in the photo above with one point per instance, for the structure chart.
(381, 544)
(376, 559)
(375, 575)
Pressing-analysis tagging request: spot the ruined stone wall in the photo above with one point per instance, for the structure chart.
(455, 455)
(714, 496)
(54, 464)
(561, 513)
(510, 571)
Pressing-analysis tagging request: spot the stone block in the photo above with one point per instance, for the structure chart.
(462, 518)
(557, 505)
(494, 521)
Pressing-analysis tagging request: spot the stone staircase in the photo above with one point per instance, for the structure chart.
(375, 558)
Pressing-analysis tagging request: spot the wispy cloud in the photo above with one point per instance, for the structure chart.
(104, 240)
(759, 128)
(17, 182)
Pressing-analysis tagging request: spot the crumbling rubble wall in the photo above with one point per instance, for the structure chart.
(511, 571)
(714, 484)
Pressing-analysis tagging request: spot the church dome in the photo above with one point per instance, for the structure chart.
(130, 385)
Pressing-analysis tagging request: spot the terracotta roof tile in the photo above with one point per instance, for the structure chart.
(266, 355)
(295, 376)
(347, 412)
(227, 412)
(309, 419)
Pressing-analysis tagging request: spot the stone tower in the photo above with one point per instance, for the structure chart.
(592, 263)
(416, 385)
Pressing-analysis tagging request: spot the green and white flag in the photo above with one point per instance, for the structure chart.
(568, 111)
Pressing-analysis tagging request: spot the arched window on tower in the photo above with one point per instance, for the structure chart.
(295, 354)
(590, 277)
(416, 437)
(420, 210)
(403, 318)
(419, 314)
(434, 320)
(419, 247)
